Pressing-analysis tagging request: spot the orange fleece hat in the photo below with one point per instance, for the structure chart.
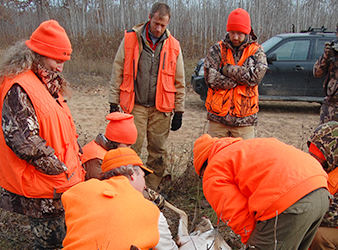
(121, 128)
(239, 20)
(50, 40)
(201, 150)
(122, 157)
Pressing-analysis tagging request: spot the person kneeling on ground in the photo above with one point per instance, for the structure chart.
(121, 132)
(270, 193)
(323, 145)
(112, 213)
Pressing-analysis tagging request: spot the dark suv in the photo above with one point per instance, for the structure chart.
(290, 57)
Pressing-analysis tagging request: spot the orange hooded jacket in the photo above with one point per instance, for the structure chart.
(165, 90)
(250, 180)
(57, 128)
(109, 214)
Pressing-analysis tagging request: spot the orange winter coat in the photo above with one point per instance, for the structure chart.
(252, 180)
(109, 214)
(57, 128)
(240, 101)
(165, 90)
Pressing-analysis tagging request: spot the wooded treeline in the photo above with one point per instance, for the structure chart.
(196, 23)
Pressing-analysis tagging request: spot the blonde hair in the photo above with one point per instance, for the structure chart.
(19, 59)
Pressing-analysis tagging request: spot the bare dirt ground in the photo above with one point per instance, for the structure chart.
(290, 122)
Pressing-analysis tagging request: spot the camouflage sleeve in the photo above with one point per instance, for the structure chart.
(252, 71)
(21, 131)
(331, 217)
(321, 66)
(213, 77)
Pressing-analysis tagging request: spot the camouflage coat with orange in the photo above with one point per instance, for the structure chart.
(249, 74)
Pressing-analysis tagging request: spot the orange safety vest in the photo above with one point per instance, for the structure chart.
(165, 90)
(240, 101)
(57, 128)
(92, 151)
(109, 214)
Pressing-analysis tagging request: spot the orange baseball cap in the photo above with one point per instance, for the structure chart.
(116, 158)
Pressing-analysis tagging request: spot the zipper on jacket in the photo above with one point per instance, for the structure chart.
(165, 53)
(151, 68)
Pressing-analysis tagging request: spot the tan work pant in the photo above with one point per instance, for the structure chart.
(326, 238)
(220, 130)
(155, 125)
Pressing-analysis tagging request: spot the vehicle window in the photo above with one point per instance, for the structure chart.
(293, 51)
(268, 44)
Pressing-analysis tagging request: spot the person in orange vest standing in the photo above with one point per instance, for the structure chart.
(148, 82)
(39, 151)
(323, 145)
(272, 194)
(233, 68)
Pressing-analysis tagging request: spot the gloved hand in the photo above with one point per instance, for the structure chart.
(114, 108)
(224, 70)
(328, 50)
(176, 122)
(154, 197)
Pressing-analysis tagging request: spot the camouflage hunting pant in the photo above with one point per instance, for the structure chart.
(328, 111)
(48, 232)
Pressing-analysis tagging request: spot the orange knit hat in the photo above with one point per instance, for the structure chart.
(50, 40)
(239, 20)
(121, 157)
(201, 150)
(121, 128)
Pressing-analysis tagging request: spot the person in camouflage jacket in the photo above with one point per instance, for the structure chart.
(327, 64)
(42, 57)
(233, 76)
(323, 145)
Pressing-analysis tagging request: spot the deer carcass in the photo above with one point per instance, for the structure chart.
(205, 237)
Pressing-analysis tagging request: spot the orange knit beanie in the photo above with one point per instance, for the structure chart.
(201, 150)
(239, 20)
(121, 157)
(121, 128)
(50, 40)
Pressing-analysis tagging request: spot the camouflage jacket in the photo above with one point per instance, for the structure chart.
(324, 138)
(21, 131)
(331, 217)
(248, 74)
(327, 64)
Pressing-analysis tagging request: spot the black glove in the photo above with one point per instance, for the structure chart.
(176, 123)
(114, 108)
